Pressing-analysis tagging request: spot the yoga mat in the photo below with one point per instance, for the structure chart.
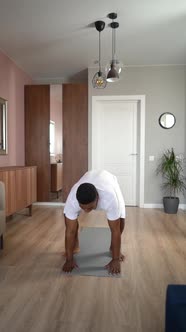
(94, 252)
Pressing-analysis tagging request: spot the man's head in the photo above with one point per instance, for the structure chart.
(87, 197)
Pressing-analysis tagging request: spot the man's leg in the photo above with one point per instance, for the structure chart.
(122, 226)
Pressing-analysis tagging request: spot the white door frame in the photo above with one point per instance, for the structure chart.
(141, 109)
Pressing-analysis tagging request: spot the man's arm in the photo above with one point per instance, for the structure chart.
(114, 265)
(70, 238)
(115, 238)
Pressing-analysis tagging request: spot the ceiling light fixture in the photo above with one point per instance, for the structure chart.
(114, 67)
(99, 80)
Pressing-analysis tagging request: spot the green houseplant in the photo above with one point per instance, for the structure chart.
(171, 168)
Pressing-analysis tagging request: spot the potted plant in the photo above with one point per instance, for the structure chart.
(171, 168)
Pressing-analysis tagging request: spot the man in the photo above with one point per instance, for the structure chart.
(96, 190)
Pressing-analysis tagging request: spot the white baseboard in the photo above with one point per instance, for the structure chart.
(153, 206)
(160, 206)
(146, 206)
(49, 203)
(182, 206)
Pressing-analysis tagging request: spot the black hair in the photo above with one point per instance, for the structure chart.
(86, 193)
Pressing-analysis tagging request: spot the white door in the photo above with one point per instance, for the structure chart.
(114, 143)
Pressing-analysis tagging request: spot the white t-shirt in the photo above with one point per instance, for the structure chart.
(110, 198)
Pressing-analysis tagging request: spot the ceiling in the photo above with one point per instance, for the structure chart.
(56, 40)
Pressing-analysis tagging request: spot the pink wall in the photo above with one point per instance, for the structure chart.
(56, 114)
(12, 81)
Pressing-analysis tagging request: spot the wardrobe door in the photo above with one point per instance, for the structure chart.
(75, 134)
(37, 119)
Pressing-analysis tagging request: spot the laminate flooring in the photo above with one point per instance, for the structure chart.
(36, 297)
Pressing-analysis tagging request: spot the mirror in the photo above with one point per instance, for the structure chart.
(167, 120)
(3, 126)
(56, 143)
(52, 138)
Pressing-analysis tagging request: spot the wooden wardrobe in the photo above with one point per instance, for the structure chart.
(20, 187)
(75, 135)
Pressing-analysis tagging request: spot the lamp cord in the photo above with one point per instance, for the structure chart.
(113, 43)
(99, 51)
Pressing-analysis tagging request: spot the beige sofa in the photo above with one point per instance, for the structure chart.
(2, 213)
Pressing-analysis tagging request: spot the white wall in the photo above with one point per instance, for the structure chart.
(165, 90)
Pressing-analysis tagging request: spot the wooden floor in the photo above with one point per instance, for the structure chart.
(35, 297)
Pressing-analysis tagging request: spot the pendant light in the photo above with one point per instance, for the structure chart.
(114, 68)
(99, 80)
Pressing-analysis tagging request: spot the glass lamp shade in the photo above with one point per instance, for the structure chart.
(113, 69)
(99, 80)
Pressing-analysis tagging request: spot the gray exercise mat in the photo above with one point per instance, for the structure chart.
(94, 252)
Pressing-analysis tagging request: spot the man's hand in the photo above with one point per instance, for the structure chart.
(114, 266)
(69, 265)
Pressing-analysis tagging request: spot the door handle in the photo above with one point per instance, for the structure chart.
(133, 154)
